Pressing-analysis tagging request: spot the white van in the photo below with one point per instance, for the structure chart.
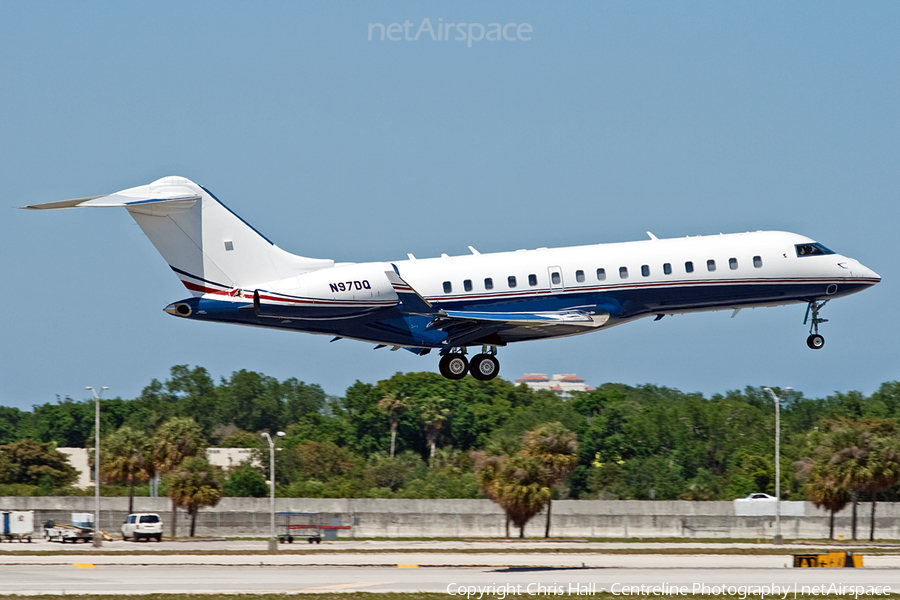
(142, 526)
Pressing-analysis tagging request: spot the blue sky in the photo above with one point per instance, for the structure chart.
(615, 118)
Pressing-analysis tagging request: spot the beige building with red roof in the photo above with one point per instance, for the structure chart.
(563, 385)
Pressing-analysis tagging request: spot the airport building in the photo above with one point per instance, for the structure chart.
(563, 385)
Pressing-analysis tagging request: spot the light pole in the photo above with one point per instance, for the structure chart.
(778, 539)
(96, 535)
(273, 543)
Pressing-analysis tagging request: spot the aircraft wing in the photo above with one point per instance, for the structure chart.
(463, 326)
(411, 301)
(479, 327)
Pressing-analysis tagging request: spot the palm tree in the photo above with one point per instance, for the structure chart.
(433, 414)
(884, 471)
(861, 458)
(523, 489)
(175, 440)
(393, 404)
(557, 448)
(518, 483)
(126, 458)
(822, 489)
(488, 469)
(193, 485)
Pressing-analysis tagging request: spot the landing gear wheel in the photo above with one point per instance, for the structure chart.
(484, 367)
(453, 366)
(815, 341)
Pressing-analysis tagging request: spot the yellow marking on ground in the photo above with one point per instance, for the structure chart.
(84, 565)
(407, 566)
(344, 586)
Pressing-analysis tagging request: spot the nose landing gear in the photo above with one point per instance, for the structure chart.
(483, 366)
(815, 341)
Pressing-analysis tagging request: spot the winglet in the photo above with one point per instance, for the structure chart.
(412, 301)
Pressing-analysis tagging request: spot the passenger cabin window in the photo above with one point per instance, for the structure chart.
(511, 281)
(688, 267)
(623, 272)
(757, 262)
(645, 270)
(732, 264)
(601, 274)
(467, 285)
(532, 280)
(448, 287)
(554, 278)
(579, 276)
(667, 268)
(812, 250)
(710, 265)
(488, 283)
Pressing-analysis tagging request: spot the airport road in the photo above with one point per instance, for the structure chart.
(136, 579)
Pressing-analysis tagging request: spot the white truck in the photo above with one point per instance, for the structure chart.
(18, 525)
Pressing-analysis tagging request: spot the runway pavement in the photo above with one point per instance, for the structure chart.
(136, 579)
(378, 566)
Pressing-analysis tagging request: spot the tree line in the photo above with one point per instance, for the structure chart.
(418, 435)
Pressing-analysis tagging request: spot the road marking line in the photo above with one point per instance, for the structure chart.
(344, 586)
(84, 566)
(407, 566)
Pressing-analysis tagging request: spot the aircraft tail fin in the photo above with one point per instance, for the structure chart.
(209, 248)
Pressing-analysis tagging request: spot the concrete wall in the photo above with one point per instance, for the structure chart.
(475, 518)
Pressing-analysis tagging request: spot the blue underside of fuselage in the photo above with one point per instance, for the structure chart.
(391, 326)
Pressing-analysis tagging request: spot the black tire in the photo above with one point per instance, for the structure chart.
(815, 341)
(158, 537)
(454, 366)
(484, 367)
(290, 539)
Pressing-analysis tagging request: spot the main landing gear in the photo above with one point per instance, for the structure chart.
(483, 366)
(815, 341)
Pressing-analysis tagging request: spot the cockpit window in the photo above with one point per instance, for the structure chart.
(814, 249)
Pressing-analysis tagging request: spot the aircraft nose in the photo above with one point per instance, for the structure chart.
(864, 272)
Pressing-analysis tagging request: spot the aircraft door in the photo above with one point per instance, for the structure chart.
(556, 280)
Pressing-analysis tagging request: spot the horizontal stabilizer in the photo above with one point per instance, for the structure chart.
(123, 199)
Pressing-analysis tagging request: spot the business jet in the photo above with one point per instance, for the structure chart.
(449, 304)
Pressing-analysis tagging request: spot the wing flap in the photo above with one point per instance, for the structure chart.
(566, 317)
